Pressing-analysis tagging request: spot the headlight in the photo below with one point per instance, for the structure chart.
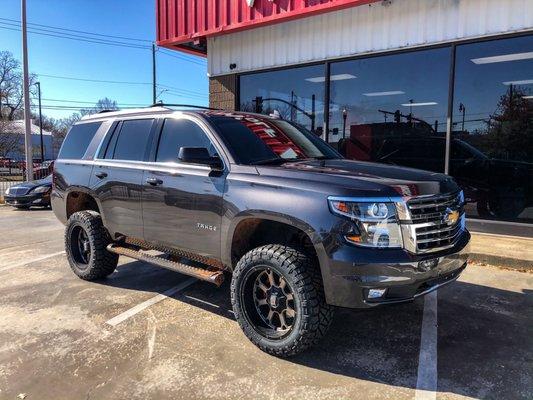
(7, 191)
(375, 223)
(41, 189)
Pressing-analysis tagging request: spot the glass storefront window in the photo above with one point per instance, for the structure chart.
(392, 109)
(295, 94)
(492, 137)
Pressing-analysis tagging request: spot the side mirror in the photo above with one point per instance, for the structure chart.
(199, 155)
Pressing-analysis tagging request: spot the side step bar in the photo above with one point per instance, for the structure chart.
(216, 277)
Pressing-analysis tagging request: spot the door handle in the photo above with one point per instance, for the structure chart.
(101, 175)
(154, 181)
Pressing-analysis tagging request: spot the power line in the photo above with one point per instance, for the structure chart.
(57, 33)
(77, 31)
(91, 102)
(180, 57)
(96, 41)
(170, 88)
(71, 108)
(173, 88)
(95, 80)
(71, 35)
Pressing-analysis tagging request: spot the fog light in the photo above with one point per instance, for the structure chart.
(376, 293)
(427, 265)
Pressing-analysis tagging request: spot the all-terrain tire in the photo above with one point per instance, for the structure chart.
(313, 314)
(100, 262)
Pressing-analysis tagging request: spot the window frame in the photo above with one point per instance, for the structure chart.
(114, 132)
(204, 126)
(90, 145)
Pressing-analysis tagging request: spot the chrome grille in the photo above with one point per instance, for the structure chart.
(431, 232)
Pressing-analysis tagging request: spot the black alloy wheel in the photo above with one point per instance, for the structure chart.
(278, 299)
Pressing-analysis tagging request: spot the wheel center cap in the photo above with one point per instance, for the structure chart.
(274, 300)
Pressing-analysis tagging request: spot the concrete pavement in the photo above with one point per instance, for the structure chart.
(55, 342)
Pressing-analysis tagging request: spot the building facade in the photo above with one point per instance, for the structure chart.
(441, 85)
(12, 141)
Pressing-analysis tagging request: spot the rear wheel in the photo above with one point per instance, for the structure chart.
(278, 300)
(86, 242)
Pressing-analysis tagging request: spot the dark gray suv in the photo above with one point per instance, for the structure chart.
(300, 229)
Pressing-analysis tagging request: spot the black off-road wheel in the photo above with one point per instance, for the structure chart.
(278, 300)
(86, 240)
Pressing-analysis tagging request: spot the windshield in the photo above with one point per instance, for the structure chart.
(254, 140)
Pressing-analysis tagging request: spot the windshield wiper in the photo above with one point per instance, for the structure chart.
(323, 158)
(274, 161)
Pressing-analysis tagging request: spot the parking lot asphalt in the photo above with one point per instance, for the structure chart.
(120, 338)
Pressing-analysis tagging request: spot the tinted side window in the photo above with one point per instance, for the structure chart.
(78, 139)
(132, 140)
(245, 146)
(178, 133)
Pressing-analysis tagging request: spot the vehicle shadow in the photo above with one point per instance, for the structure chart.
(484, 344)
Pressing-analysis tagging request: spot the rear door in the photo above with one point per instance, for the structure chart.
(118, 175)
(182, 202)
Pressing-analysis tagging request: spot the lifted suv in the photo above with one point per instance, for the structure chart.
(300, 229)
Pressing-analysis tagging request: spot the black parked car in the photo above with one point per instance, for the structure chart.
(300, 228)
(30, 194)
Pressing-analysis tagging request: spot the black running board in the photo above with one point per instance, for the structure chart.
(204, 274)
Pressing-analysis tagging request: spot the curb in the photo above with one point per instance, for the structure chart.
(502, 262)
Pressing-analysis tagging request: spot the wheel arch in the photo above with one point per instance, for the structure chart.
(252, 229)
(80, 198)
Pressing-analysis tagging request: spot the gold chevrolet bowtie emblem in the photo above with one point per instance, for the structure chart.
(450, 217)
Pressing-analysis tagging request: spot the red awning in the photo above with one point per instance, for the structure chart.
(185, 24)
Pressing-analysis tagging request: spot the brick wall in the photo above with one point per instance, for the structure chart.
(222, 92)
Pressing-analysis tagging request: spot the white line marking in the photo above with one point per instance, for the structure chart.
(21, 264)
(202, 301)
(426, 383)
(150, 302)
(151, 343)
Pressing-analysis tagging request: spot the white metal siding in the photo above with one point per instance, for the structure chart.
(364, 29)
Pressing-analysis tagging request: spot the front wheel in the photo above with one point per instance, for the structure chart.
(278, 300)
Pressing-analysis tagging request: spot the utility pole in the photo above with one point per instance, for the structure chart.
(38, 84)
(26, 85)
(154, 94)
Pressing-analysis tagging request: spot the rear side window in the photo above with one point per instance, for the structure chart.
(178, 133)
(132, 140)
(78, 139)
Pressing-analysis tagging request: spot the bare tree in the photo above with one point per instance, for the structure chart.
(11, 93)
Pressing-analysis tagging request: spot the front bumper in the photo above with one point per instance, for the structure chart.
(39, 199)
(352, 272)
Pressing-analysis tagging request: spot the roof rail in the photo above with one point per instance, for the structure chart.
(161, 104)
(104, 111)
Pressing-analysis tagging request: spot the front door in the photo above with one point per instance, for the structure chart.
(182, 203)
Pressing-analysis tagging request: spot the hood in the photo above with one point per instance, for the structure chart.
(353, 178)
(32, 184)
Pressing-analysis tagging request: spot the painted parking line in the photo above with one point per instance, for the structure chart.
(150, 302)
(426, 383)
(26, 262)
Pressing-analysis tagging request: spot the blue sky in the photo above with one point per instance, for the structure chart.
(185, 74)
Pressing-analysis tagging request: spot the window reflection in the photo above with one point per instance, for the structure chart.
(492, 137)
(392, 109)
(295, 94)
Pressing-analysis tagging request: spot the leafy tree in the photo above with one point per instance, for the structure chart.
(510, 130)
